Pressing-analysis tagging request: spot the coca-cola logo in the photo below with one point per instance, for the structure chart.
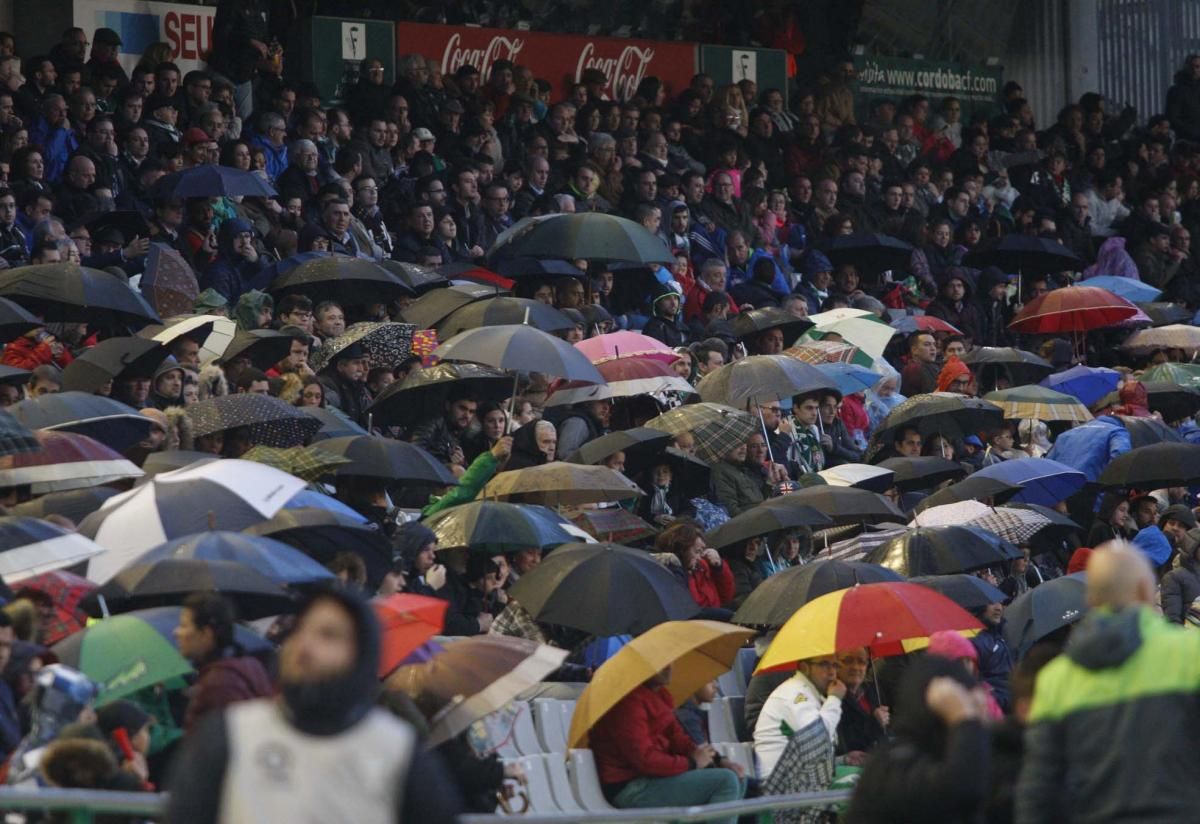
(624, 72)
(498, 48)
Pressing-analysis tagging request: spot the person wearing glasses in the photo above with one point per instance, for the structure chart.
(813, 694)
(496, 219)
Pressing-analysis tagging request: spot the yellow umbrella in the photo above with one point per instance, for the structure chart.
(697, 652)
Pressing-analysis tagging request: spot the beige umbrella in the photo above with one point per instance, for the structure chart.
(1173, 336)
(561, 484)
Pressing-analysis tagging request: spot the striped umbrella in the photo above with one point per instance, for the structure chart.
(1039, 403)
(65, 461)
(29, 547)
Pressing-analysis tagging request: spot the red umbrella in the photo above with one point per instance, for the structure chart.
(407, 621)
(64, 591)
(1073, 309)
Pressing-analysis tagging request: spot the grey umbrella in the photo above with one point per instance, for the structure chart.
(582, 236)
(520, 347)
(761, 378)
(500, 311)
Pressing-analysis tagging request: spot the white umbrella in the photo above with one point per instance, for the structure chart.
(214, 345)
(31, 546)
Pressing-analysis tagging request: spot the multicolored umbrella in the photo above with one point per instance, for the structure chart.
(65, 461)
(386, 344)
(307, 462)
(716, 428)
(406, 622)
(625, 344)
(1072, 309)
(857, 327)
(497, 527)
(777, 598)
(1039, 403)
(561, 484)
(269, 421)
(123, 654)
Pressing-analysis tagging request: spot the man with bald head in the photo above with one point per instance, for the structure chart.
(1115, 718)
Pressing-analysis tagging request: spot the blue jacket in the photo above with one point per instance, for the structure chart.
(1090, 447)
(995, 661)
(231, 274)
(57, 147)
(746, 273)
(277, 159)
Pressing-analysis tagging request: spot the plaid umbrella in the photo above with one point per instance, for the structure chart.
(558, 483)
(65, 461)
(1013, 525)
(307, 462)
(822, 351)
(1039, 403)
(613, 524)
(386, 344)
(716, 428)
(271, 422)
(168, 283)
(14, 437)
(64, 590)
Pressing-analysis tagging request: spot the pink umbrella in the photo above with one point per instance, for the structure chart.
(625, 345)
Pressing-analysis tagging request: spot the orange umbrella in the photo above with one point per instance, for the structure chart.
(406, 622)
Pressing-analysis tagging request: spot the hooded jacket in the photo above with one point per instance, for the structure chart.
(224, 681)
(229, 273)
(963, 314)
(994, 315)
(1113, 726)
(1089, 447)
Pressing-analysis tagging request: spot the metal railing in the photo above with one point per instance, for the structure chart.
(83, 805)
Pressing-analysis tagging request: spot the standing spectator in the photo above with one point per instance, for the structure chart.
(241, 38)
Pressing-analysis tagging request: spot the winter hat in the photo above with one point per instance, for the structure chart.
(952, 371)
(815, 261)
(1178, 512)
(950, 644)
(209, 300)
(1079, 560)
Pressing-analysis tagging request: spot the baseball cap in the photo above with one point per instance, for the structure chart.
(422, 134)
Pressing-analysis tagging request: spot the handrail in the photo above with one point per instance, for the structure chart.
(95, 801)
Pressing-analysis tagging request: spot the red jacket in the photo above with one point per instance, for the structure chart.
(24, 353)
(641, 738)
(223, 682)
(711, 587)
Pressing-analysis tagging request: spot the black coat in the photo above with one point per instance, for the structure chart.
(858, 730)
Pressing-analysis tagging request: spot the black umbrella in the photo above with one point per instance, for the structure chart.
(639, 444)
(940, 413)
(532, 267)
(345, 279)
(497, 527)
(1149, 431)
(210, 180)
(520, 347)
(263, 347)
(422, 395)
(689, 475)
(169, 581)
(843, 504)
(13, 376)
(15, 320)
(582, 236)
(65, 292)
(268, 421)
(776, 599)
(434, 306)
(333, 423)
(420, 279)
(972, 488)
(922, 473)
(1045, 609)
(1025, 254)
(762, 520)
(111, 422)
(870, 253)
(939, 550)
(498, 311)
(1020, 366)
(1164, 314)
(75, 504)
(603, 589)
(323, 534)
(968, 591)
(1151, 467)
(395, 461)
(1174, 401)
(752, 322)
(128, 222)
(126, 357)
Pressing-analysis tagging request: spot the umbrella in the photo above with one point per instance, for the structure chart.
(346, 279)
(496, 527)
(432, 308)
(1045, 609)
(625, 344)
(262, 347)
(273, 559)
(602, 589)
(386, 344)
(420, 279)
(499, 311)
(1154, 466)
(939, 550)
(113, 358)
(640, 445)
(761, 378)
(1017, 526)
(164, 620)
(1024, 254)
(907, 324)
(396, 461)
(15, 320)
(168, 283)
(467, 272)
(753, 322)
(1072, 309)
(971, 488)
(333, 423)
(1173, 315)
(210, 180)
(887, 618)
(168, 581)
(307, 462)
(323, 534)
(860, 476)
(110, 422)
(941, 413)
(923, 472)
(843, 504)
(422, 395)
(213, 333)
(870, 253)
(405, 622)
(29, 547)
(716, 428)
(15, 438)
(857, 327)
(472, 678)
(65, 461)
(520, 347)
(696, 651)
(157, 463)
(225, 494)
(558, 484)
(762, 520)
(75, 504)
(532, 267)
(13, 376)
(123, 654)
(1185, 374)
(1087, 383)
(582, 236)
(968, 591)
(613, 524)
(817, 352)
(61, 592)
(850, 377)
(1022, 367)
(777, 598)
(1042, 480)
(68, 293)
(1148, 431)
(1173, 401)
(625, 378)
(1174, 336)
(1134, 291)
(268, 421)
(1039, 403)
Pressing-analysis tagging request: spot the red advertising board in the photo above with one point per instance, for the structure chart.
(558, 58)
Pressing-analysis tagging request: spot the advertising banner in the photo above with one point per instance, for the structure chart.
(140, 22)
(977, 87)
(559, 58)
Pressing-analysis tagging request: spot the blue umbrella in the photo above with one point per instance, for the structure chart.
(1134, 291)
(1088, 383)
(215, 181)
(276, 560)
(307, 498)
(850, 377)
(601, 649)
(1042, 480)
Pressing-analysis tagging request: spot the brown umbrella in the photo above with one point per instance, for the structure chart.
(561, 484)
(168, 283)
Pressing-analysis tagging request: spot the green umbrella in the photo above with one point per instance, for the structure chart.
(123, 654)
(1184, 374)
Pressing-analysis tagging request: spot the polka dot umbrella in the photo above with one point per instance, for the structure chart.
(269, 421)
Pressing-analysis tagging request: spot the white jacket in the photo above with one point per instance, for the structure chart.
(797, 703)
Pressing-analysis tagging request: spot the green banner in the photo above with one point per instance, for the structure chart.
(337, 47)
(766, 67)
(976, 87)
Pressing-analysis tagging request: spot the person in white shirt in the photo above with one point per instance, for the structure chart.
(813, 693)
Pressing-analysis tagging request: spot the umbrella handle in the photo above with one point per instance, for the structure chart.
(766, 437)
(512, 402)
(104, 613)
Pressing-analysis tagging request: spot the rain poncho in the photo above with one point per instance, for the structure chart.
(1091, 446)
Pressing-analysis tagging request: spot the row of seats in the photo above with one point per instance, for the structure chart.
(733, 683)
(541, 727)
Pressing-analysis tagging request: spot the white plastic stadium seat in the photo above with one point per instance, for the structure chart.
(730, 683)
(524, 735)
(725, 722)
(548, 718)
(560, 783)
(585, 781)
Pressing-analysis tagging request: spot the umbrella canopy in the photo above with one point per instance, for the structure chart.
(130, 357)
(561, 484)
(333, 423)
(110, 422)
(907, 324)
(887, 618)
(860, 476)
(625, 378)
(1174, 336)
(532, 267)
(307, 462)
(777, 598)
(420, 279)
(65, 461)
(1184, 374)
(762, 520)
(849, 378)
(971, 488)
(210, 180)
(168, 581)
(168, 283)
(716, 428)
(1148, 431)
(1046, 608)
(1172, 401)
(870, 253)
(323, 534)
(1154, 466)
(761, 378)
(1087, 383)
(1021, 367)
(1134, 291)
(520, 347)
(496, 527)
(406, 622)
(64, 592)
(753, 322)
(1017, 526)
(123, 654)
(1072, 309)
(386, 344)
(262, 347)
(941, 413)
(640, 444)
(1042, 480)
(75, 504)
(29, 547)
(268, 421)
(822, 351)
(164, 620)
(15, 437)
(498, 311)
(68, 293)
(396, 461)
(15, 320)
(422, 395)
(1039, 403)
(346, 279)
(854, 326)
(613, 524)
(213, 333)
(273, 559)
(582, 236)
(430, 309)
(941, 550)
(922, 472)
(696, 651)
(1162, 314)
(843, 504)
(472, 678)
(226, 494)
(968, 591)
(625, 344)
(1025, 254)
(603, 589)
